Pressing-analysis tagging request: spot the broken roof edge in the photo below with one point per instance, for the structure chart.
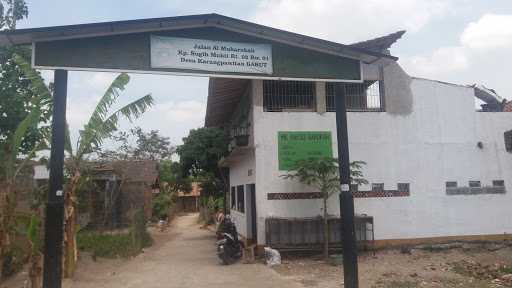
(440, 81)
(380, 44)
(29, 35)
(487, 95)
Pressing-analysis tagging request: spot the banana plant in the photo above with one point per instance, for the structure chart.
(100, 126)
(11, 164)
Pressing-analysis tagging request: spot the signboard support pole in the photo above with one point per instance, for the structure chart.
(54, 219)
(346, 199)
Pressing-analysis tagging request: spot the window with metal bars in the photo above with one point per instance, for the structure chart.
(281, 96)
(366, 96)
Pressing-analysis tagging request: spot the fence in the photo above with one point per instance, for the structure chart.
(308, 233)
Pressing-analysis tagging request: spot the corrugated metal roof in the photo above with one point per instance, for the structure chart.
(380, 44)
(131, 170)
(223, 96)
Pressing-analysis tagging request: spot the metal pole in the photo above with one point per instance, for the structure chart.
(54, 219)
(346, 199)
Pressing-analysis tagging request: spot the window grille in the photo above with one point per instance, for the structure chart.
(451, 184)
(378, 187)
(474, 184)
(366, 96)
(403, 187)
(498, 183)
(288, 96)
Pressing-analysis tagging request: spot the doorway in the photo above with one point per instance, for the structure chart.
(252, 226)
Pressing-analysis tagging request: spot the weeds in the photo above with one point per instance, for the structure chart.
(123, 245)
(106, 245)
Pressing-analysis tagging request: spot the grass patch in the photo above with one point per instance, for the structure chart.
(110, 245)
(113, 245)
(506, 269)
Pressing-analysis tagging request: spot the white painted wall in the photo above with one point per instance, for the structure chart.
(430, 139)
(239, 175)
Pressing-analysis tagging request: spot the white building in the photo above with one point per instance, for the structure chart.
(438, 168)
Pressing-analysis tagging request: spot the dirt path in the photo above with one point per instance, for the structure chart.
(183, 256)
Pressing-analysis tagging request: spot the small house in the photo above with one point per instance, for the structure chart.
(189, 201)
(122, 187)
(115, 191)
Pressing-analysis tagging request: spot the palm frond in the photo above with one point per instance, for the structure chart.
(67, 141)
(21, 131)
(37, 83)
(109, 97)
(100, 111)
(18, 136)
(97, 133)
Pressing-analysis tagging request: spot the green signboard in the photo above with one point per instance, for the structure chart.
(299, 145)
(137, 52)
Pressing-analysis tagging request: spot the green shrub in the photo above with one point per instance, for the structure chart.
(18, 252)
(161, 205)
(108, 245)
(139, 233)
(14, 259)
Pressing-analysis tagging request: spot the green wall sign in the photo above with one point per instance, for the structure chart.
(299, 145)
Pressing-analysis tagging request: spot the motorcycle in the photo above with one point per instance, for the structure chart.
(229, 248)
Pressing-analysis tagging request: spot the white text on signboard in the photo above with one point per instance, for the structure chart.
(208, 55)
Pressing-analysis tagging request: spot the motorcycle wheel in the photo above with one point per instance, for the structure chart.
(223, 257)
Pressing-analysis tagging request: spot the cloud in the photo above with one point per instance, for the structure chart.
(490, 32)
(190, 112)
(485, 39)
(349, 21)
(174, 119)
(442, 60)
(481, 56)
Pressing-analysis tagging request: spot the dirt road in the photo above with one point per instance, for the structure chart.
(183, 256)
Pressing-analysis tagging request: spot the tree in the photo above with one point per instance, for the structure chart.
(172, 182)
(323, 174)
(17, 95)
(202, 149)
(100, 127)
(11, 11)
(10, 164)
(25, 110)
(171, 175)
(149, 146)
(200, 154)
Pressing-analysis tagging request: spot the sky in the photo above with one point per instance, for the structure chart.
(459, 41)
